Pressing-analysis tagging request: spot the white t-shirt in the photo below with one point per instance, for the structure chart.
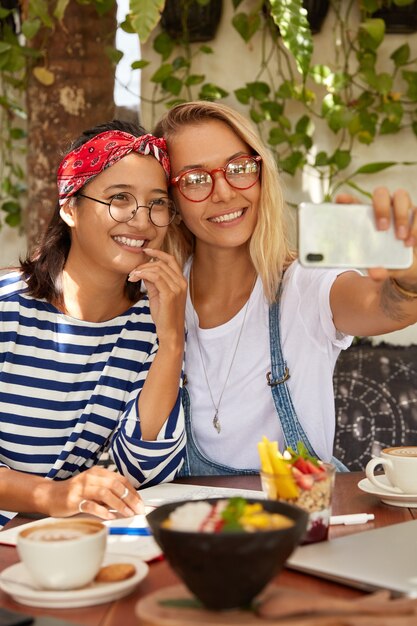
(310, 345)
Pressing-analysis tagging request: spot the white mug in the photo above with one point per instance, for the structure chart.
(63, 555)
(400, 466)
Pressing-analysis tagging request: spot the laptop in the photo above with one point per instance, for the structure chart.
(382, 558)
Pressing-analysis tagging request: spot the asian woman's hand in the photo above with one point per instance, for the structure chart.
(99, 491)
(167, 292)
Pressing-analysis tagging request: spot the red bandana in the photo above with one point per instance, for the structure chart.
(101, 152)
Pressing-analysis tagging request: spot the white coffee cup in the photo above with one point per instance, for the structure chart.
(65, 554)
(400, 466)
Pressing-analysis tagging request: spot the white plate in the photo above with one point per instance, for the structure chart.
(95, 593)
(394, 499)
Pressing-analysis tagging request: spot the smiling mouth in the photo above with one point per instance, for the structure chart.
(132, 243)
(228, 217)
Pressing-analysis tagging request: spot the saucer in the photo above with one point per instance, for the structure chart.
(394, 499)
(94, 593)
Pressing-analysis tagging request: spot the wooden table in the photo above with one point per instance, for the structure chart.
(347, 499)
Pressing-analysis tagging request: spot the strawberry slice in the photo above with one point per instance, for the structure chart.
(313, 469)
(304, 481)
(303, 465)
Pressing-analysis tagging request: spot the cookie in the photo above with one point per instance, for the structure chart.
(115, 572)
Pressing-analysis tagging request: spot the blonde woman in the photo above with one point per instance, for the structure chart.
(264, 333)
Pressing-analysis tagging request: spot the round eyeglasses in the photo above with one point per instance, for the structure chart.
(124, 206)
(197, 184)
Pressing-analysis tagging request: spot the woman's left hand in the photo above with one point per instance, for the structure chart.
(167, 292)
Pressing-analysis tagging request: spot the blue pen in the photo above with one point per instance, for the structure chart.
(130, 530)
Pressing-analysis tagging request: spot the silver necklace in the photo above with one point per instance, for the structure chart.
(216, 419)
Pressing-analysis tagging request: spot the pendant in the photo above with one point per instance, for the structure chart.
(216, 422)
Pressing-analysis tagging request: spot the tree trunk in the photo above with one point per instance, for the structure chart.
(80, 96)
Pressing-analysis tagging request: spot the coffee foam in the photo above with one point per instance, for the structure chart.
(405, 451)
(61, 532)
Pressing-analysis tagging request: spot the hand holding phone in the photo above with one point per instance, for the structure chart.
(345, 235)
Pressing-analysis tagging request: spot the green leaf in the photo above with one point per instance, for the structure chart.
(164, 45)
(11, 207)
(401, 55)
(371, 33)
(39, 8)
(292, 163)
(374, 168)
(126, 26)
(212, 92)
(389, 127)
(256, 116)
(370, 6)
(383, 83)
(284, 122)
(242, 95)
(114, 55)
(304, 125)
(103, 6)
(4, 47)
(300, 139)
(273, 110)
(339, 117)
(246, 24)
(394, 111)
(285, 90)
(13, 219)
(194, 79)
(321, 74)
(291, 18)
(162, 73)
(59, 10)
(411, 79)
(30, 28)
(259, 90)
(180, 62)
(138, 65)
(232, 513)
(276, 136)
(364, 125)
(206, 49)
(321, 159)
(144, 16)
(341, 158)
(17, 133)
(173, 85)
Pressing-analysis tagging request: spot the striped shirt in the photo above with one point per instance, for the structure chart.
(69, 392)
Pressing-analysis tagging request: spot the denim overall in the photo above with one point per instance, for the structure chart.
(197, 464)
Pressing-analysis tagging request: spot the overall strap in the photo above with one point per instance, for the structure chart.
(291, 427)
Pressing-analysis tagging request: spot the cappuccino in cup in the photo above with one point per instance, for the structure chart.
(63, 555)
(400, 467)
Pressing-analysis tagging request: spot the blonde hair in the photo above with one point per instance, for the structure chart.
(269, 248)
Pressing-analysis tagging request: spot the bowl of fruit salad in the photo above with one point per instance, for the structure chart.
(227, 550)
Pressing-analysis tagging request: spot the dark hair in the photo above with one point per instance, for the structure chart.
(43, 267)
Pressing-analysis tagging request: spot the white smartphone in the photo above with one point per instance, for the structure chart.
(345, 235)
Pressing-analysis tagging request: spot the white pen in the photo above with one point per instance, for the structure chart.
(354, 518)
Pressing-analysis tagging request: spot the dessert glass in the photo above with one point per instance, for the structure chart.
(313, 493)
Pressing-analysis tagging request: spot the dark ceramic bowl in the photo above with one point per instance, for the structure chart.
(227, 570)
